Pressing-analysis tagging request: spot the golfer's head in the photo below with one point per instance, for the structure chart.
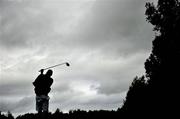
(49, 72)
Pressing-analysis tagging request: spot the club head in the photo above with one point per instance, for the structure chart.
(67, 64)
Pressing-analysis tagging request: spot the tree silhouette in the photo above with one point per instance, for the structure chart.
(163, 64)
(135, 98)
(7, 116)
(159, 93)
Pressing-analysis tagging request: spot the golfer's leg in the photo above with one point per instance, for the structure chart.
(38, 104)
(45, 105)
(45, 108)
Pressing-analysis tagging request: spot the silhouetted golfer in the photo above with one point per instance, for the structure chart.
(42, 86)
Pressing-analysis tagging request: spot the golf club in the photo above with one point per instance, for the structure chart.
(66, 63)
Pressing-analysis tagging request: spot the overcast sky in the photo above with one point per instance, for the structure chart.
(105, 41)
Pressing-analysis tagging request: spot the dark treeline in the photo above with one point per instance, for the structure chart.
(156, 92)
(73, 114)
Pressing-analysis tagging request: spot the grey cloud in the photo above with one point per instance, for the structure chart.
(116, 99)
(4, 106)
(93, 103)
(22, 105)
(16, 88)
(60, 87)
(22, 23)
(114, 75)
(118, 78)
(114, 26)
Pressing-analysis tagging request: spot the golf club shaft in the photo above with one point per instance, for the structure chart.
(54, 66)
